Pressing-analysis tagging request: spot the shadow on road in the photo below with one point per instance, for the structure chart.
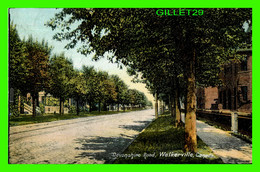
(102, 148)
(136, 127)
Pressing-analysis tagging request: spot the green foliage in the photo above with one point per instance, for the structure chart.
(135, 97)
(106, 90)
(51, 101)
(168, 53)
(32, 70)
(38, 63)
(72, 109)
(78, 88)
(136, 38)
(90, 74)
(29, 60)
(121, 88)
(13, 109)
(61, 72)
(27, 119)
(42, 108)
(18, 61)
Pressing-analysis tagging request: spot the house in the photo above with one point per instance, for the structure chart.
(207, 97)
(51, 104)
(236, 92)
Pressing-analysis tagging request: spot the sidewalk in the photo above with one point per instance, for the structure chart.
(230, 149)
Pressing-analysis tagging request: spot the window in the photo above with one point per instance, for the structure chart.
(244, 92)
(244, 64)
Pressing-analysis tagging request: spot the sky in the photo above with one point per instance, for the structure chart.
(30, 21)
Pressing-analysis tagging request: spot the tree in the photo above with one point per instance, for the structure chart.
(90, 75)
(105, 89)
(136, 97)
(37, 78)
(79, 88)
(137, 39)
(18, 69)
(18, 62)
(121, 88)
(109, 92)
(61, 72)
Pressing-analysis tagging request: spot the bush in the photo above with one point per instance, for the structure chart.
(14, 111)
(42, 108)
(72, 109)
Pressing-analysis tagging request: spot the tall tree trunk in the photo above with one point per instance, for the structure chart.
(106, 107)
(156, 106)
(190, 119)
(77, 106)
(37, 100)
(162, 106)
(61, 106)
(33, 106)
(22, 104)
(90, 106)
(171, 103)
(177, 109)
(44, 102)
(118, 107)
(19, 103)
(99, 106)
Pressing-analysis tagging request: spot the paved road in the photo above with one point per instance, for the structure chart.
(230, 149)
(90, 140)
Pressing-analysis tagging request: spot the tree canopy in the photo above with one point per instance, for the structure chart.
(61, 73)
(170, 53)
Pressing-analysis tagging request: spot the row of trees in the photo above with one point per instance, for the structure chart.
(172, 55)
(33, 69)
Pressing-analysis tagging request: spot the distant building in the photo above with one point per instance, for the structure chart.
(236, 92)
(50, 106)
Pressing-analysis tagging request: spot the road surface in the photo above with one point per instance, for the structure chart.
(90, 140)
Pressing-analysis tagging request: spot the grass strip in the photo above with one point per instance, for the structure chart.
(162, 143)
(28, 119)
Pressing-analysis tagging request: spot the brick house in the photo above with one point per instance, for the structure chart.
(236, 92)
(206, 97)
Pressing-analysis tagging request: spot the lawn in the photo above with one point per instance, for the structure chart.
(162, 143)
(28, 119)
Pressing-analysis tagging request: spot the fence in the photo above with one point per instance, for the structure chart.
(232, 121)
(55, 109)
